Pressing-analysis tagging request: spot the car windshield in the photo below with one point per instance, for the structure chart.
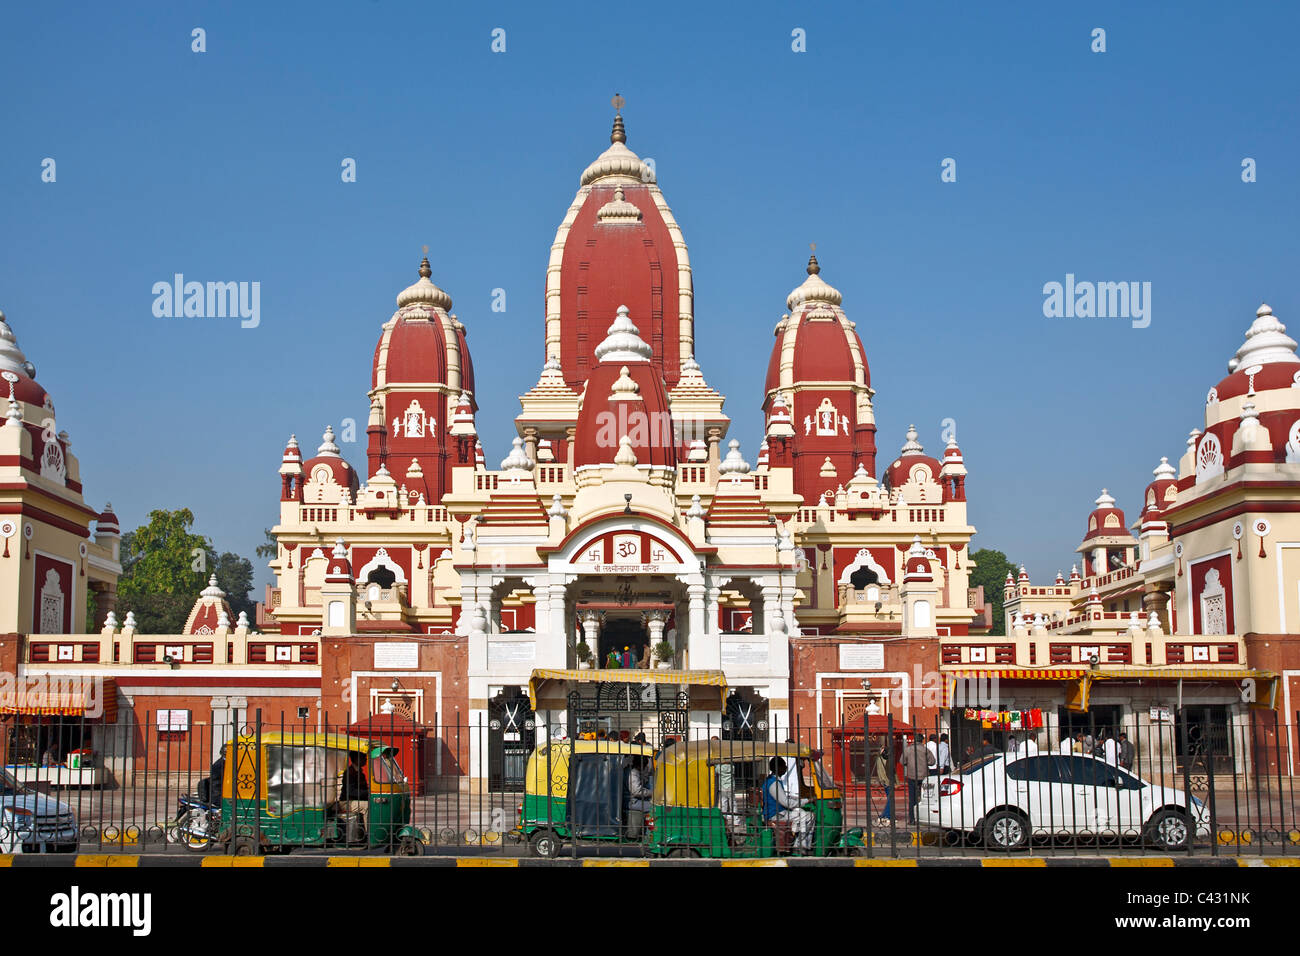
(383, 769)
(9, 786)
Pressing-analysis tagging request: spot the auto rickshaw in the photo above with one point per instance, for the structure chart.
(577, 790)
(286, 793)
(688, 818)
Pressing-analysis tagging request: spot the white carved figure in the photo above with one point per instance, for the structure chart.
(52, 602)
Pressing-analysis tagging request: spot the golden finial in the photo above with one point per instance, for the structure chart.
(619, 134)
(425, 270)
(813, 267)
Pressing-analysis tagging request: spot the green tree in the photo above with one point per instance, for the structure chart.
(235, 577)
(991, 569)
(164, 567)
(270, 547)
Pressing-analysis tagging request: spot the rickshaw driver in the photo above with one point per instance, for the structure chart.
(780, 804)
(355, 796)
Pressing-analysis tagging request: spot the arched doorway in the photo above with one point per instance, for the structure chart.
(621, 632)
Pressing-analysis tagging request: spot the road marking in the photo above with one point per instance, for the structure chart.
(479, 861)
(106, 859)
(358, 861)
(615, 862)
(220, 861)
(1028, 861)
(1269, 861)
(768, 862)
(1141, 861)
(861, 862)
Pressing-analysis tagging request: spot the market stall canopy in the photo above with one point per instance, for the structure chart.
(89, 698)
(688, 679)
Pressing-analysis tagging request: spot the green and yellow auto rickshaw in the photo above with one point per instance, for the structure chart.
(692, 817)
(577, 790)
(285, 790)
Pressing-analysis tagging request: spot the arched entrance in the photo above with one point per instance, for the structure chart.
(623, 632)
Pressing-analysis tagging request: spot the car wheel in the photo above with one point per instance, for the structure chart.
(1170, 830)
(1005, 830)
(684, 853)
(545, 843)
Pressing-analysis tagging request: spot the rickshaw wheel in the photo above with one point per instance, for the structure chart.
(545, 843)
(410, 846)
(684, 852)
(243, 846)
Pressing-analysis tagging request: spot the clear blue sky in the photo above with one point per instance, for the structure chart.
(1118, 166)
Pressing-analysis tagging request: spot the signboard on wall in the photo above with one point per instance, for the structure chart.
(511, 652)
(173, 720)
(394, 654)
(862, 657)
(744, 653)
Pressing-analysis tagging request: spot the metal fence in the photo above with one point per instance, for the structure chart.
(1193, 783)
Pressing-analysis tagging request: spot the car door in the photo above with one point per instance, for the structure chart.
(1041, 786)
(1085, 771)
(1118, 796)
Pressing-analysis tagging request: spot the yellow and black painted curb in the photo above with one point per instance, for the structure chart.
(321, 861)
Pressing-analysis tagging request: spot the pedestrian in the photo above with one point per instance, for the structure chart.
(1078, 742)
(1067, 745)
(945, 754)
(916, 767)
(779, 804)
(932, 750)
(613, 661)
(1013, 747)
(1030, 746)
(986, 747)
(627, 661)
(1126, 752)
(1089, 743)
(1110, 748)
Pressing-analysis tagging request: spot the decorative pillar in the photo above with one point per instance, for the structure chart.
(591, 622)
(655, 622)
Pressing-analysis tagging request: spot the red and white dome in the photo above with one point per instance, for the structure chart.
(422, 371)
(1106, 521)
(107, 522)
(1162, 492)
(1261, 390)
(912, 461)
(819, 367)
(618, 245)
(625, 398)
(327, 462)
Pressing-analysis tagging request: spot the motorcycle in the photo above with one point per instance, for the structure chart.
(196, 824)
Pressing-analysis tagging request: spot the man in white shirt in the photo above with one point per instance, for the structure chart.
(1067, 745)
(1112, 751)
(781, 804)
(1030, 747)
(944, 757)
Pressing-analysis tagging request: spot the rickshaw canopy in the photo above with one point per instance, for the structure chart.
(535, 778)
(683, 774)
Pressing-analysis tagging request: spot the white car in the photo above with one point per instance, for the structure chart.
(1008, 802)
(31, 822)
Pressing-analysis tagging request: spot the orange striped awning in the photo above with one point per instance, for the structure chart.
(59, 696)
(1013, 673)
